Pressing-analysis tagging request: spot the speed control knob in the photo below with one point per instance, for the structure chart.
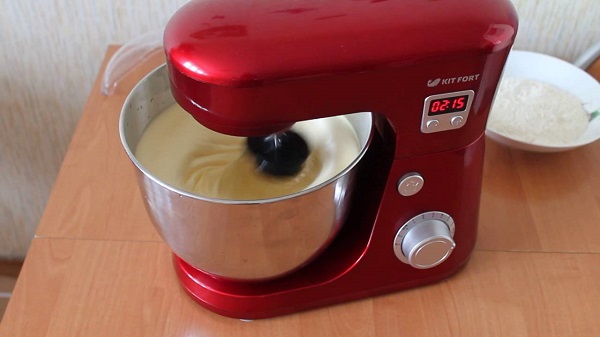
(425, 241)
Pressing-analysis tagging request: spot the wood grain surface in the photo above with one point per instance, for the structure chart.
(9, 271)
(540, 202)
(119, 288)
(98, 268)
(594, 69)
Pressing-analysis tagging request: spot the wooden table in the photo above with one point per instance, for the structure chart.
(97, 267)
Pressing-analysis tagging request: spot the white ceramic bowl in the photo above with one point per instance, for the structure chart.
(564, 75)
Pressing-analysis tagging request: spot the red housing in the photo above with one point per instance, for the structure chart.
(255, 67)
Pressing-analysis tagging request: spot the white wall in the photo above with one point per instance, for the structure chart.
(563, 28)
(50, 52)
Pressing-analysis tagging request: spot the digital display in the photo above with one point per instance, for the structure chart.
(448, 105)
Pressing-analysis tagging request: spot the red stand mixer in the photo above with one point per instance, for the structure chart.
(427, 70)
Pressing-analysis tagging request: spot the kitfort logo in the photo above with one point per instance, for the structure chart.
(452, 80)
(433, 83)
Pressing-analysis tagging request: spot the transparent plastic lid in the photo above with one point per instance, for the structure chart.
(128, 57)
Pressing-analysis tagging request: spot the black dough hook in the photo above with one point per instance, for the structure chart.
(279, 154)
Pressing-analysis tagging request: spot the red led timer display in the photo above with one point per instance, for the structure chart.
(448, 105)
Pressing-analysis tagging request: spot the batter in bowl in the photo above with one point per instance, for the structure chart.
(181, 152)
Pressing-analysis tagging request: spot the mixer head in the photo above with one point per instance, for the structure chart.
(254, 68)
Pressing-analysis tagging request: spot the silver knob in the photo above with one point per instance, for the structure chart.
(426, 240)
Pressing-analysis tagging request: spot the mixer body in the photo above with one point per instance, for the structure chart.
(428, 71)
(361, 262)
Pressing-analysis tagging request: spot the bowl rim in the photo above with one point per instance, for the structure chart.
(143, 170)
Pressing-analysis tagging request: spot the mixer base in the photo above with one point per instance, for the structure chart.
(258, 300)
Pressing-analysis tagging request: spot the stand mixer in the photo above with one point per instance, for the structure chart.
(427, 70)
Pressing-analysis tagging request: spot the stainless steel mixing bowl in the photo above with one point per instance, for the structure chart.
(242, 240)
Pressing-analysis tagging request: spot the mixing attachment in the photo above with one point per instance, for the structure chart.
(279, 154)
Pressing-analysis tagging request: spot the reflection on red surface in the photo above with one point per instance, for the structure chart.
(220, 31)
(331, 17)
(296, 10)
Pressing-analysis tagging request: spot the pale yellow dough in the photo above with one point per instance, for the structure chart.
(184, 154)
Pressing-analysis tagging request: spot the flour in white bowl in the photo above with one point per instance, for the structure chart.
(537, 113)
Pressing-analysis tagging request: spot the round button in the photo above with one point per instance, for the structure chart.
(432, 124)
(428, 244)
(425, 241)
(410, 184)
(456, 121)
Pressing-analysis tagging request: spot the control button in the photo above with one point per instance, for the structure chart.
(432, 124)
(410, 184)
(425, 241)
(428, 244)
(456, 121)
